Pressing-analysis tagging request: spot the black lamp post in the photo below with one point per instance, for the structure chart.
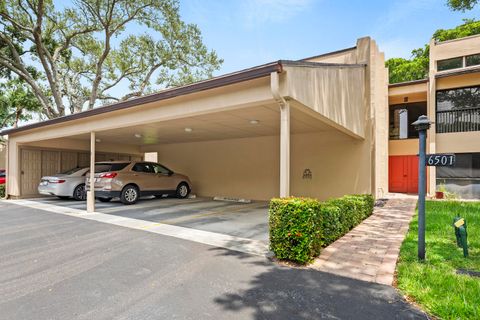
(422, 125)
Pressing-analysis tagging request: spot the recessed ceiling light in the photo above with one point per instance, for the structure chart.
(188, 129)
(137, 135)
(98, 140)
(254, 121)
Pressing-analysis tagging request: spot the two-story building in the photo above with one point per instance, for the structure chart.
(451, 99)
(316, 127)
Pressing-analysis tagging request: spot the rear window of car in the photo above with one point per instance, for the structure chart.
(2, 174)
(72, 171)
(106, 167)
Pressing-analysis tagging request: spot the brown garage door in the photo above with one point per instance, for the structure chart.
(69, 160)
(31, 171)
(50, 163)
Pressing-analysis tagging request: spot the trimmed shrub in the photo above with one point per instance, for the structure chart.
(341, 215)
(299, 227)
(2, 190)
(295, 230)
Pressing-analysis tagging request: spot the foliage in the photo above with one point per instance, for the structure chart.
(2, 190)
(416, 68)
(434, 284)
(17, 102)
(295, 231)
(468, 28)
(83, 50)
(341, 215)
(299, 227)
(461, 5)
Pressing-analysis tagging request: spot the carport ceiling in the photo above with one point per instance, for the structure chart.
(238, 123)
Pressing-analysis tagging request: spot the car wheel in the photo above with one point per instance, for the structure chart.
(104, 199)
(79, 193)
(182, 190)
(129, 194)
(64, 197)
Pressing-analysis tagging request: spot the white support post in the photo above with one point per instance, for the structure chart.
(91, 192)
(284, 150)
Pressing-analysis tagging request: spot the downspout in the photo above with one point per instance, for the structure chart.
(275, 87)
(284, 134)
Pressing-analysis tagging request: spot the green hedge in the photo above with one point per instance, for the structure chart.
(299, 227)
(2, 190)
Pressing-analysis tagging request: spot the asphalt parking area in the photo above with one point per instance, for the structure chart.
(54, 266)
(245, 220)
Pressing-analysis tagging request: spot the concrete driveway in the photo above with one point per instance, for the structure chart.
(246, 220)
(54, 266)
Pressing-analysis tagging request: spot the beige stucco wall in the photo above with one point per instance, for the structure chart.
(458, 142)
(344, 56)
(84, 145)
(249, 168)
(321, 88)
(403, 147)
(454, 48)
(458, 81)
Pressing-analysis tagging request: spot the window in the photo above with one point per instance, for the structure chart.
(106, 167)
(143, 167)
(458, 110)
(449, 64)
(161, 169)
(401, 118)
(473, 60)
(72, 171)
(463, 178)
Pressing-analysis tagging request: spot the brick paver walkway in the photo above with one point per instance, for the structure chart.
(369, 252)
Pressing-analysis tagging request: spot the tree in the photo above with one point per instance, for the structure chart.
(83, 51)
(417, 66)
(17, 102)
(462, 5)
(401, 69)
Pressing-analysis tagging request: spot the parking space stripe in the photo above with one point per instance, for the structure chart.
(255, 247)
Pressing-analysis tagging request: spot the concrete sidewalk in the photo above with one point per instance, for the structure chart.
(370, 251)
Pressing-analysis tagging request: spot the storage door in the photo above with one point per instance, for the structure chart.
(31, 171)
(69, 160)
(50, 163)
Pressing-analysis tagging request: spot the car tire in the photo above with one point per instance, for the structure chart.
(182, 190)
(104, 199)
(130, 194)
(79, 193)
(64, 197)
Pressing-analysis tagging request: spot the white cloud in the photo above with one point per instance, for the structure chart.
(257, 12)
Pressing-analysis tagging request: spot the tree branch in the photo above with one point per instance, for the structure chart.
(43, 55)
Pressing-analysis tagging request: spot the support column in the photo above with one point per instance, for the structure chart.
(285, 150)
(91, 191)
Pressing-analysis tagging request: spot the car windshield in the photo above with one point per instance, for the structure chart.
(2, 174)
(106, 167)
(72, 171)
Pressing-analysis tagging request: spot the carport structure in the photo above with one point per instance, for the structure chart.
(315, 127)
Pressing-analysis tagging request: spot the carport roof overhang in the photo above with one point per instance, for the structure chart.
(241, 89)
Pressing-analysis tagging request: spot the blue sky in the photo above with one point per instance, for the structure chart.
(246, 33)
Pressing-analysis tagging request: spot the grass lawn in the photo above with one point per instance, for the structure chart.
(434, 284)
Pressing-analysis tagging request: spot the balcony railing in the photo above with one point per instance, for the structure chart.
(458, 120)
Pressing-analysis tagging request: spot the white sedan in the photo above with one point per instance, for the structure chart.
(65, 185)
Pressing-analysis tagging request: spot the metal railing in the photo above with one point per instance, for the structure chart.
(458, 120)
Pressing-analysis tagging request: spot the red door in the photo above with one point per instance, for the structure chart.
(403, 174)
